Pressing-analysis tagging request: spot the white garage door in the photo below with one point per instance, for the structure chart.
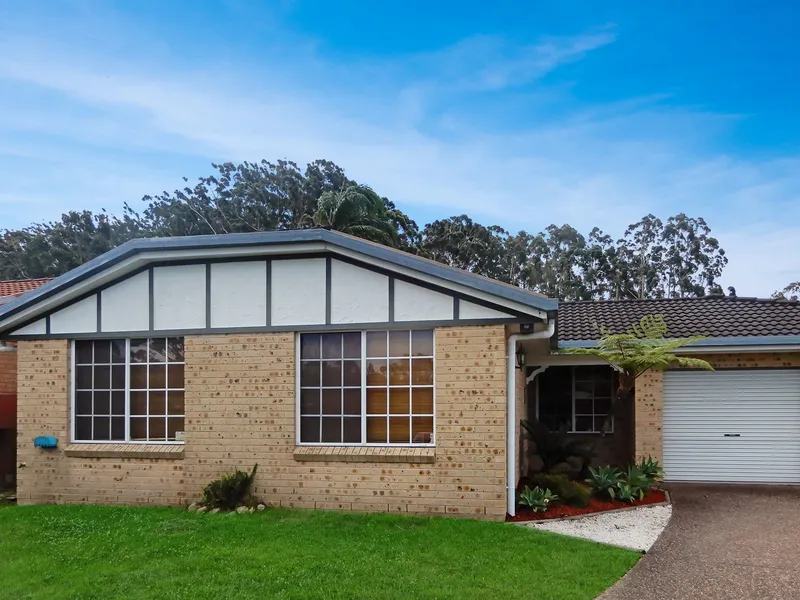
(732, 426)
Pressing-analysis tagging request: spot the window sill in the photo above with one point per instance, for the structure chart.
(165, 451)
(364, 454)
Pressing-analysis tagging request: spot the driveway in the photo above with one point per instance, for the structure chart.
(723, 542)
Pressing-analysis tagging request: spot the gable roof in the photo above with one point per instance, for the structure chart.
(149, 249)
(720, 318)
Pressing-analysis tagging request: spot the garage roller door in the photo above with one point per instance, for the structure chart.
(732, 426)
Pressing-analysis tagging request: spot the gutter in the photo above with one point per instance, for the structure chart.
(511, 419)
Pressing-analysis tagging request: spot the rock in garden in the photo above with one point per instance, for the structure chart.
(214, 511)
(202, 509)
(576, 462)
(193, 507)
(562, 468)
(262, 507)
(242, 510)
(535, 464)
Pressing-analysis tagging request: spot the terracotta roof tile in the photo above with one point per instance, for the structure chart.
(18, 287)
(712, 316)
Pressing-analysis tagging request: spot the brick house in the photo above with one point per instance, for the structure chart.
(358, 377)
(9, 290)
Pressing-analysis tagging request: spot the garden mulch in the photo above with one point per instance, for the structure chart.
(596, 505)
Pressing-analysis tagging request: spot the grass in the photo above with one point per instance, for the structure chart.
(96, 552)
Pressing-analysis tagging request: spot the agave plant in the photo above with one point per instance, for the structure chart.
(604, 480)
(537, 499)
(650, 469)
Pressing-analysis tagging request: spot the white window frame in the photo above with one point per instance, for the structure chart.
(572, 429)
(127, 440)
(364, 388)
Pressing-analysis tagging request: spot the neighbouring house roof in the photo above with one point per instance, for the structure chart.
(9, 290)
(724, 320)
(139, 252)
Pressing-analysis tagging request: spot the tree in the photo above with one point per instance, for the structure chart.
(642, 348)
(355, 210)
(790, 292)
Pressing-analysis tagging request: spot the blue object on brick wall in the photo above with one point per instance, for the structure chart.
(45, 441)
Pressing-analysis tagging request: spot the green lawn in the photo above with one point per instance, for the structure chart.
(59, 552)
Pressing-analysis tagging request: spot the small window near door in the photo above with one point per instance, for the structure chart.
(575, 399)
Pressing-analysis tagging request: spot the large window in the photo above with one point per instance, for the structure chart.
(128, 390)
(575, 399)
(373, 388)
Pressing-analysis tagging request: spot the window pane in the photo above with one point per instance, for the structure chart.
(83, 352)
(138, 403)
(138, 428)
(175, 403)
(102, 377)
(332, 345)
(158, 377)
(352, 402)
(83, 403)
(352, 431)
(422, 401)
(398, 401)
(310, 345)
(309, 402)
(118, 428)
(158, 428)
(158, 350)
(118, 352)
(583, 406)
(602, 406)
(422, 343)
(102, 352)
(399, 343)
(138, 351)
(422, 430)
(352, 373)
(399, 371)
(376, 430)
(376, 371)
(598, 423)
(376, 344)
(83, 428)
(309, 429)
(117, 403)
(584, 423)
(102, 428)
(352, 345)
(310, 374)
(602, 386)
(118, 377)
(83, 378)
(138, 377)
(399, 430)
(332, 429)
(376, 401)
(157, 404)
(422, 371)
(332, 373)
(175, 376)
(332, 402)
(584, 389)
(175, 350)
(102, 403)
(174, 425)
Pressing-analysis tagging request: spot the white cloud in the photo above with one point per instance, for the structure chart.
(137, 125)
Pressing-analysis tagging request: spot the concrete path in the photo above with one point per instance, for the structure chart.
(723, 542)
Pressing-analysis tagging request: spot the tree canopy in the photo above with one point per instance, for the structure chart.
(676, 257)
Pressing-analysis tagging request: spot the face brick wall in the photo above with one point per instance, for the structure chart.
(650, 393)
(8, 373)
(240, 410)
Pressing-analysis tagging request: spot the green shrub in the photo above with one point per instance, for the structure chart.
(572, 493)
(537, 499)
(230, 490)
(633, 486)
(604, 481)
(650, 469)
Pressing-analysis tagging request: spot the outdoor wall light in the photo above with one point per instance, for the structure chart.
(520, 358)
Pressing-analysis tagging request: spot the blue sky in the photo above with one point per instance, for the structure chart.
(517, 113)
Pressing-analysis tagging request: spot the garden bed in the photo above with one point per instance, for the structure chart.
(596, 505)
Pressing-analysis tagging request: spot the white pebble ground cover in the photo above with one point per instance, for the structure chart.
(636, 529)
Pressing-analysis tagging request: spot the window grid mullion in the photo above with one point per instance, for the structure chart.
(127, 390)
(363, 387)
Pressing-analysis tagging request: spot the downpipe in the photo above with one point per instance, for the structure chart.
(511, 420)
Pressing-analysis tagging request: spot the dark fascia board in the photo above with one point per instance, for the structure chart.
(716, 342)
(271, 238)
